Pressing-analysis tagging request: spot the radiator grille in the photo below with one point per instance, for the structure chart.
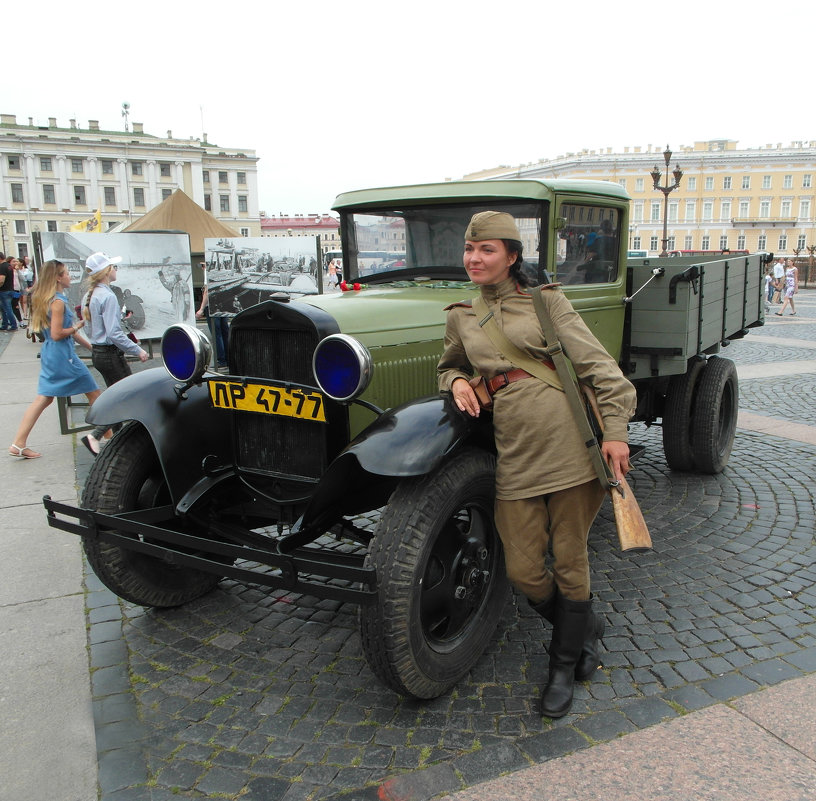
(269, 443)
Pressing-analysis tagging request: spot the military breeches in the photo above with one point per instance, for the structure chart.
(528, 526)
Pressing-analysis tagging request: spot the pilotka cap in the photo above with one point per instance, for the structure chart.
(492, 225)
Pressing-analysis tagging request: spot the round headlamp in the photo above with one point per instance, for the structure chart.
(342, 367)
(185, 352)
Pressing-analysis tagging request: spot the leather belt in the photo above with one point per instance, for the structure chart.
(503, 379)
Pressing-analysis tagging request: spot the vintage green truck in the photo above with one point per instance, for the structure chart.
(329, 417)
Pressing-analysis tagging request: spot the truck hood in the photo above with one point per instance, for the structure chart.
(393, 314)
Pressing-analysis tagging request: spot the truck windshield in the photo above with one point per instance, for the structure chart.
(393, 244)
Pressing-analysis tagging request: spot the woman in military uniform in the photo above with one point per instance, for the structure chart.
(547, 491)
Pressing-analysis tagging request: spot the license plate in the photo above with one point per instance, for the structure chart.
(266, 399)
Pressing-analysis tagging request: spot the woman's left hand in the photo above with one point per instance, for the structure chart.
(616, 454)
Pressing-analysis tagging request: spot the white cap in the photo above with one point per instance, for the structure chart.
(97, 262)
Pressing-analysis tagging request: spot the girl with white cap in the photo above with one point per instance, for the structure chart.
(109, 343)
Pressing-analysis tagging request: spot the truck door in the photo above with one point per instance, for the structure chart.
(589, 263)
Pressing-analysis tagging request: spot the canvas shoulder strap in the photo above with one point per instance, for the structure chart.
(510, 351)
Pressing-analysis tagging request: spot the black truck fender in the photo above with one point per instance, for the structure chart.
(406, 441)
(185, 429)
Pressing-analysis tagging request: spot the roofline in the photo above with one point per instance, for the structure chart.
(520, 188)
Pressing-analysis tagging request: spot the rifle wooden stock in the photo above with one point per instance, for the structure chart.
(633, 533)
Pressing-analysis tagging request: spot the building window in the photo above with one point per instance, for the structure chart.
(636, 243)
(692, 184)
(245, 232)
(45, 164)
(653, 242)
(804, 209)
(138, 197)
(637, 212)
(207, 203)
(762, 242)
(725, 210)
(744, 208)
(224, 199)
(746, 181)
(655, 211)
(741, 242)
(785, 208)
(806, 182)
(51, 225)
(19, 226)
(241, 178)
(638, 184)
(222, 177)
(136, 168)
(14, 162)
(110, 195)
(708, 211)
(724, 242)
(77, 167)
(709, 184)
(166, 193)
(766, 181)
(787, 182)
(79, 195)
(164, 169)
(727, 182)
(242, 203)
(783, 242)
(205, 176)
(107, 167)
(706, 244)
(17, 193)
(688, 242)
(49, 196)
(691, 210)
(764, 208)
(670, 243)
(801, 243)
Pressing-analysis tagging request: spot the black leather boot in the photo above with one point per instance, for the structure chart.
(572, 620)
(590, 659)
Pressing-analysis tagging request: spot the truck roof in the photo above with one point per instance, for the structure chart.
(523, 189)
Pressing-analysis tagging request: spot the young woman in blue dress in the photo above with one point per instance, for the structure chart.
(62, 373)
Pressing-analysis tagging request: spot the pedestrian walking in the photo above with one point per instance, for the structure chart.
(62, 372)
(101, 310)
(791, 288)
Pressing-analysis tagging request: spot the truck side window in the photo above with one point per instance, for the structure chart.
(588, 245)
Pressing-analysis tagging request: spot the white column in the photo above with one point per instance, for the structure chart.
(153, 198)
(31, 181)
(94, 201)
(124, 192)
(179, 170)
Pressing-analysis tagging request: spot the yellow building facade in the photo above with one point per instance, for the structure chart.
(54, 176)
(756, 199)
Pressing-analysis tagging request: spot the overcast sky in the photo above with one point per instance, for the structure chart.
(349, 94)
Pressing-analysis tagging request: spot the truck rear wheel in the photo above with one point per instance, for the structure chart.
(715, 415)
(677, 417)
(441, 577)
(127, 476)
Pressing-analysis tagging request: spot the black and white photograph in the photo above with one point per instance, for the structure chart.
(154, 282)
(243, 272)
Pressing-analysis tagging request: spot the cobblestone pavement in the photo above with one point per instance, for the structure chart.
(250, 695)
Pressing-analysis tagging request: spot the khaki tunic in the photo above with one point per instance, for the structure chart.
(538, 443)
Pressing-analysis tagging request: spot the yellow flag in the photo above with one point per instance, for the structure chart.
(93, 225)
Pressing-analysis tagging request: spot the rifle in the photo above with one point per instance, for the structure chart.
(633, 532)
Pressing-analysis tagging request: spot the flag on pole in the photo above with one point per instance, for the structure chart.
(93, 225)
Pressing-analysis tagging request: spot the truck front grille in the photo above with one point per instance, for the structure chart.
(270, 443)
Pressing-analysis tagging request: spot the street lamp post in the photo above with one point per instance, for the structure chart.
(666, 190)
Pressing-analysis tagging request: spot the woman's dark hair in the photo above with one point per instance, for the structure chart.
(516, 271)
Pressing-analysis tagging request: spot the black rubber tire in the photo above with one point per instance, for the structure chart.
(126, 476)
(678, 417)
(715, 416)
(435, 537)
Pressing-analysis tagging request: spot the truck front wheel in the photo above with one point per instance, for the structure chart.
(127, 476)
(441, 578)
(715, 415)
